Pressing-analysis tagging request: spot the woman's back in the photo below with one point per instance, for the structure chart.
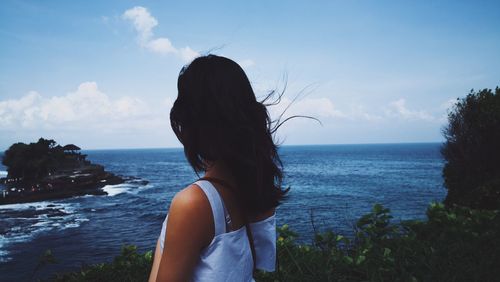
(228, 257)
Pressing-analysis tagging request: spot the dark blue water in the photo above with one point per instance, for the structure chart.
(332, 184)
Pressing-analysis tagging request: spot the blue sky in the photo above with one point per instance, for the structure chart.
(102, 74)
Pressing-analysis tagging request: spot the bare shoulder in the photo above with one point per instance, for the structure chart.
(190, 196)
(190, 229)
(190, 200)
(190, 212)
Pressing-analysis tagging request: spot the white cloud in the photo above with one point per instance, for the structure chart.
(246, 63)
(398, 109)
(447, 105)
(19, 111)
(188, 54)
(314, 107)
(359, 112)
(326, 110)
(167, 103)
(321, 107)
(161, 46)
(87, 108)
(144, 23)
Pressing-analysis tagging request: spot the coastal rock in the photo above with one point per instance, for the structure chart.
(84, 180)
(47, 171)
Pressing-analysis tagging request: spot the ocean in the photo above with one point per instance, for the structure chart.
(331, 186)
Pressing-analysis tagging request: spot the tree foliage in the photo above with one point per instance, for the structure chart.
(35, 160)
(472, 151)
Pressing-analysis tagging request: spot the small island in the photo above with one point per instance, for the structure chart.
(46, 171)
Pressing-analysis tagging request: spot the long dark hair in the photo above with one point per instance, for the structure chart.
(217, 117)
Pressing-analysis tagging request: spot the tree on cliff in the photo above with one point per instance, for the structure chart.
(36, 160)
(472, 151)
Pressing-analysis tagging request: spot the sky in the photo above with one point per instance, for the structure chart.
(102, 74)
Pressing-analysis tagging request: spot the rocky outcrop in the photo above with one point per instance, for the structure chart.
(77, 181)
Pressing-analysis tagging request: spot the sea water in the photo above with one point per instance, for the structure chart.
(330, 186)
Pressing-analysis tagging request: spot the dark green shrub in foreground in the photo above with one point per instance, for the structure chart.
(129, 266)
(455, 244)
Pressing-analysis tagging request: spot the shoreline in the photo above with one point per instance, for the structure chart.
(84, 180)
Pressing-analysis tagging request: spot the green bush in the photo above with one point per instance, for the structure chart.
(129, 266)
(453, 244)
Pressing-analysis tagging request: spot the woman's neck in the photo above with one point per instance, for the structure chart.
(218, 170)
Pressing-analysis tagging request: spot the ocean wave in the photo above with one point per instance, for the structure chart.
(23, 206)
(23, 222)
(117, 189)
(127, 187)
(4, 256)
(3, 173)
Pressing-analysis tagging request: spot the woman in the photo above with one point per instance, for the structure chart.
(222, 227)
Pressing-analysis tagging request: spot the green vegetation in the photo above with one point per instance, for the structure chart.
(129, 266)
(456, 244)
(472, 151)
(34, 161)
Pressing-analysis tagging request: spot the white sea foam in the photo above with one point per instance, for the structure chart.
(23, 206)
(114, 190)
(81, 219)
(144, 187)
(40, 224)
(4, 256)
(25, 221)
(131, 187)
(3, 253)
(3, 173)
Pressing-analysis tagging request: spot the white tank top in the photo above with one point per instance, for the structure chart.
(229, 257)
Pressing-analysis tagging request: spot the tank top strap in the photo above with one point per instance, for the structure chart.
(216, 204)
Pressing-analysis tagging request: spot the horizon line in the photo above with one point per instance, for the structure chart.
(287, 145)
